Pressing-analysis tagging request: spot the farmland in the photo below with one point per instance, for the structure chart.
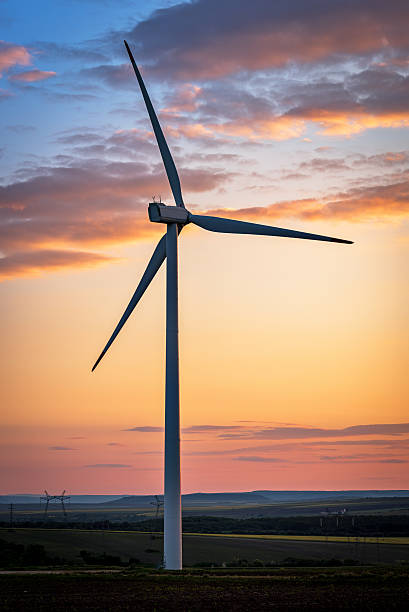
(364, 589)
(216, 548)
(250, 572)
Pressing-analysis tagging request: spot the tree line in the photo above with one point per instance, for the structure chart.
(348, 525)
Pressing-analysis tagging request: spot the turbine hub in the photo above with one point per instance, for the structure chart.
(160, 213)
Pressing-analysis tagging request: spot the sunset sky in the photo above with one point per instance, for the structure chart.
(294, 354)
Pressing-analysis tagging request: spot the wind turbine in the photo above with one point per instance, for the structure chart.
(175, 218)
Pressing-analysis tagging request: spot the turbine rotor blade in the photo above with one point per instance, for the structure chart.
(153, 266)
(230, 226)
(163, 146)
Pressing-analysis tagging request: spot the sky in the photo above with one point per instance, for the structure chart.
(293, 353)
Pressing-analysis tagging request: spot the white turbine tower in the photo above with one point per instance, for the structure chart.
(175, 217)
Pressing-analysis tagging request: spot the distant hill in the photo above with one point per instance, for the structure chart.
(255, 497)
(288, 496)
(201, 499)
(211, 499)
(27, 498)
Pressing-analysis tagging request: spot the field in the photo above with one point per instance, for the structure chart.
(77, 587)
(217, 548)
(363, 589)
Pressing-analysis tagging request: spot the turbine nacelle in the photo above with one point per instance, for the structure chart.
(160, 213)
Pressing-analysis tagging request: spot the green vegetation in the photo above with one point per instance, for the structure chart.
(18, 555)
(374, 526)
(205, 548)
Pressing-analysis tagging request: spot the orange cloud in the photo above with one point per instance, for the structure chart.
(103, 214)
(379, 203)
(273, 128)
(44, 218)
(287, 126)
(33, 263)
(52, 218)
(31, 76)
(185, 99)
(191, 130)
(45, 238)
(338, 123)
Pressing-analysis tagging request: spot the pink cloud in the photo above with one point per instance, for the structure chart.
(4, 94)
(31, 76)
(185, 99)
(11, 55)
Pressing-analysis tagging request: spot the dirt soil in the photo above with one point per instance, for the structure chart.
(366, 589)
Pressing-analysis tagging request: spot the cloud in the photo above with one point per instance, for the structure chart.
(12, 55)
(324, 459)
(183, 99)
(20, 128)
(51, 217)
(307, 434)
(80, 52)
(78, 138)
(95, 195)
(146, 429)
(388, 442)
(61, 448)
(361, 458)
(210, 428)
(51, 220)
(388, 478)
(319, 164)
(115, 444)
(117, 76)
(209, 39)
(108, 465)
(280, 107)
(32, 263)
(262, 128)
(288, 433)
(32, 76)
(393, 461)
(309, 446)
(389, 159)
(359, 101)
(259, 459)
(4, 94)
(379, 202)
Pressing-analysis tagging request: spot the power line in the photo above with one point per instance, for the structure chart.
(54, 498)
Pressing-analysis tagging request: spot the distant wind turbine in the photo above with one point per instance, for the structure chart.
(175, 218)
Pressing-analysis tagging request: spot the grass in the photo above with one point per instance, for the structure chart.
(217, 548)
(307, 538)
(296, 538)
